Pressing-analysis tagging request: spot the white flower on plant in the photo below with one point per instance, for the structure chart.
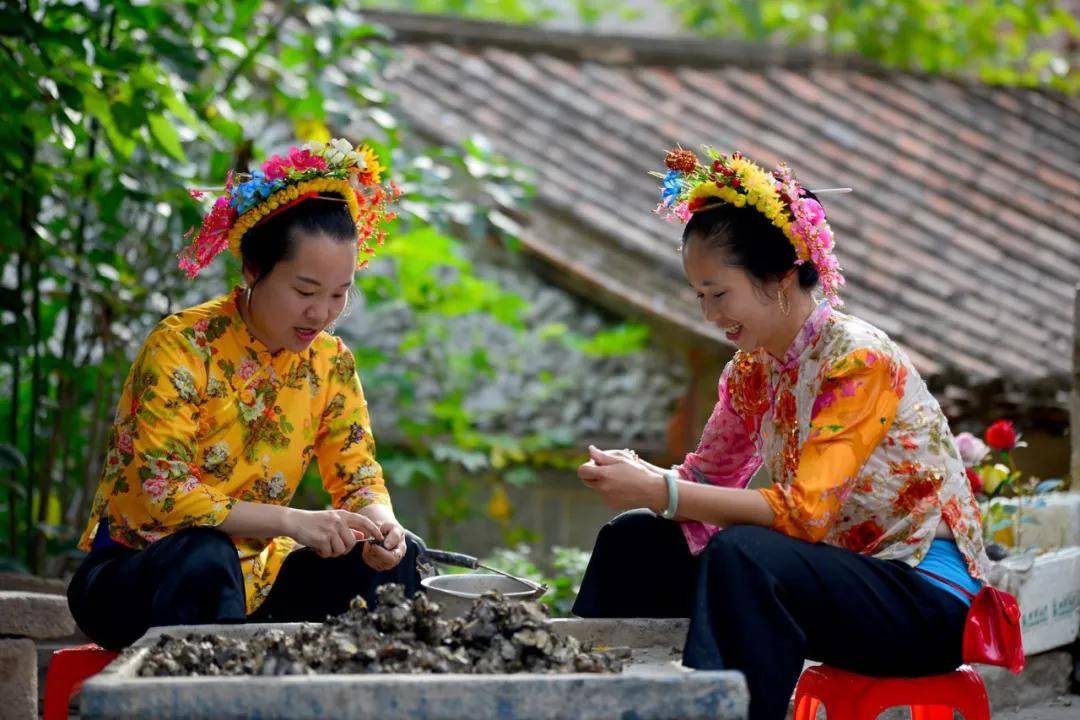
(972, 449)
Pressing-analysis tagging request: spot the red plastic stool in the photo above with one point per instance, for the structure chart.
(848, 696)
(68, 669)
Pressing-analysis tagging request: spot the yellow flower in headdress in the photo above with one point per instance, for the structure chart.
(690, 186)
(372, 168)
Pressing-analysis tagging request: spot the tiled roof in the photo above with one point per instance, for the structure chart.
(962, 240)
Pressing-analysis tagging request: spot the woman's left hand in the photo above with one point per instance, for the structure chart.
(389, 554)
(622, 483)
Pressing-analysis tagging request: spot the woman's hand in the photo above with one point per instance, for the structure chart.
(387, 555)
(330, 533)
(624, 454)
(634, 459)
(623, 482)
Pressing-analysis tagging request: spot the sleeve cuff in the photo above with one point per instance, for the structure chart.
(364, 497)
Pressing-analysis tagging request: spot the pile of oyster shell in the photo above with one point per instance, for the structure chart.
(398, 635)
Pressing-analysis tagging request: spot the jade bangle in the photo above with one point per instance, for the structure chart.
(672, 477)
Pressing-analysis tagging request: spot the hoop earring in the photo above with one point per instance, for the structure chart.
(785, 306)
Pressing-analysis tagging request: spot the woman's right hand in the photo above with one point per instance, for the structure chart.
(625, 454)
(330, 533)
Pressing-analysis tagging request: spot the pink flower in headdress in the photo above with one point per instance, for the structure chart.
(211, 240)
(813, 211)
(809, 226)
(679, 212)
(304, 160)
(276, 167)
(296, 160)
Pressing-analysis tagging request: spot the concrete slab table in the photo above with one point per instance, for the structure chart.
(653, 685)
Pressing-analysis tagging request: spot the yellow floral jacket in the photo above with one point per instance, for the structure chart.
(860, 453)
(208, 416)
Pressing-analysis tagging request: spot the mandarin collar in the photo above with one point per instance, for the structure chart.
(248, 340)
(804, 339)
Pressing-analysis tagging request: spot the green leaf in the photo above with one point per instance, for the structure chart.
(625, 339)
(11, 458)
(175, 103)
(368, 357)
(520, 476)
(98, 106)
(407, 472)
(164, 132)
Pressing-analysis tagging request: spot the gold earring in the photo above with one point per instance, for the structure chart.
(785, 306)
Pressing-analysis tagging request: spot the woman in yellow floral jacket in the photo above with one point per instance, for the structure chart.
(224, 408)
(868, 490)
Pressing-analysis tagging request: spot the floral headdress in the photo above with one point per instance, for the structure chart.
(336, 172)
(688, 187)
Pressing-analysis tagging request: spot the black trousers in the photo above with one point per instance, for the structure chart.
(193, 577)
(762, 602)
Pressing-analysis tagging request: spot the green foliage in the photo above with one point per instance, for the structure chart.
(515, 11)
(530, 12)
(623, 339)
(1011, 43)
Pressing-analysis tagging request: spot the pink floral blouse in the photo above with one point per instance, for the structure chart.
(860, 453)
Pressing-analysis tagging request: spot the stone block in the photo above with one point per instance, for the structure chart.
(18, 679)
(32, 583)
(35, 615)
(1047, 588)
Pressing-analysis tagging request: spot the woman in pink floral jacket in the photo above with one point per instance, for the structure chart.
(867, 484)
